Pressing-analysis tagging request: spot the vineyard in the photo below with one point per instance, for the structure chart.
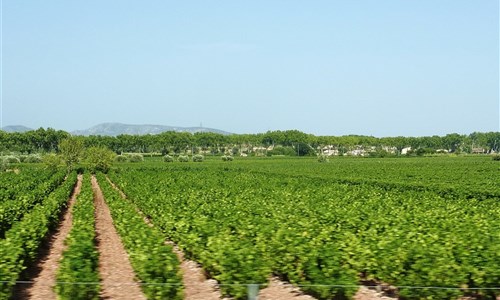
(422, 228)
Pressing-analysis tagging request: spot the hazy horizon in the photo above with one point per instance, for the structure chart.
(386, 68)
(79, 130)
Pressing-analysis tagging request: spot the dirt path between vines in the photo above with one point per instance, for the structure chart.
(278, 289)
(117, 275)
(196, 284)
(44, 273)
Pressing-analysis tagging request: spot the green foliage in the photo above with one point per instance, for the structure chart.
(304, 149)
(470, 177)
(10, 159)
(153, 261)
(23, 192)
(52, 161)
(496, 157)
(121, 158)
(183, 158)
(279, 150)
(227, 158)
(322, 225)
(323, 159)
(72, 150)
(421, 152)
(135, 157)
(403, 221)
(198, 158)
(379, 152)
(424, 151)
(286, 138)
(80, 259)
(3, 166)
(168, 158)
(20, 245)
(6, 161)
(42, 140)
(32, 158)
(99, 159)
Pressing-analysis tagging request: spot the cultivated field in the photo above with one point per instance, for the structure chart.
(411, 227)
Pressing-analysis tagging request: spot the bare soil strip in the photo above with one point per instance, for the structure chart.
(278, 289)
(43, 274)
(196, 284)
(117, 275)
(365, 293)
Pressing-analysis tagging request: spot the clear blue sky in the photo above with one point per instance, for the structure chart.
(371, 67)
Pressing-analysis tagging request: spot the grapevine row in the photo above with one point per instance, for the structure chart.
(80, 259)
(153, 261)
(20, 246)
(26, 196)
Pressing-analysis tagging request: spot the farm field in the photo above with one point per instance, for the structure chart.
(20, 192)
(80, 247)
(421, 228)
(429, 222)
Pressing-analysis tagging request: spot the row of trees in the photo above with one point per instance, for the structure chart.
(48, 140)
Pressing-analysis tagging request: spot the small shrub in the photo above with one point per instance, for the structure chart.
(282, 151)
(71, 150)
(121, 158)
(198, 158)
(380, 153)
(227, 158)
(323, 159)
(3, 165)
(168, 158)
(496, 157)
(52, 161)
(183, 158)
(99, 159)
(33, 158)
(135, 157)
(11, 159)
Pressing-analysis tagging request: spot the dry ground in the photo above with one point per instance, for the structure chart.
(117, 275)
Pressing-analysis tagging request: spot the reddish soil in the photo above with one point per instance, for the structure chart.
(365, 293)
(196, 285)
(117, 275)
(45, 277)
(278, 289)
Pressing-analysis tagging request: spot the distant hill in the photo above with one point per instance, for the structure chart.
(114, 129)
(16, 128)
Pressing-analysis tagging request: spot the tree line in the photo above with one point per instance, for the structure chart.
(294, 141)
